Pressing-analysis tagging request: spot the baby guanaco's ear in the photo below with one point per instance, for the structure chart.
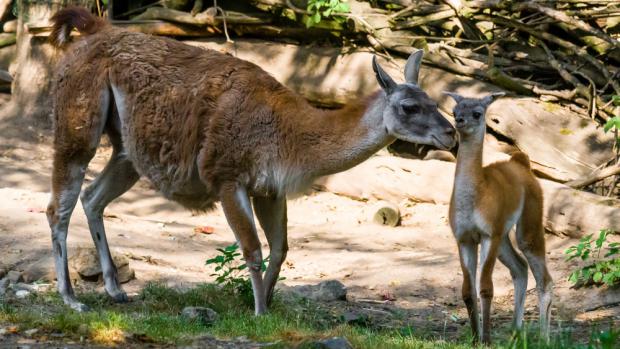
(457, 97)
(490, 98)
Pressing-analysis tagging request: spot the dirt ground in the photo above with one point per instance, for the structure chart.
(330, 237)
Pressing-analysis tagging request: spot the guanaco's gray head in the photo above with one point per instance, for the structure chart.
(411, 115)
(469, 112)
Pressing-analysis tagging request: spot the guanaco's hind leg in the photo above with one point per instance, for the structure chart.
(238, 211)
(78, 128)
(116, 178)
(531, 241)
(518, 270)
(271, 214)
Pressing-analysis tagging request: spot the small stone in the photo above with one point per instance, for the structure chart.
(205, 315)
(386, 213)
(22, 294)
(332, 343)
(14, 276)
(3, 331)
(83, 330)
(4, 284)
(10, 26)
(31, 332)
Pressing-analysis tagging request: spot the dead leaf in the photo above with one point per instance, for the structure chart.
(12, 329)
(205, 229)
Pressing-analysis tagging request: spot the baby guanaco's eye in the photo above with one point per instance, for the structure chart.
(476, 115)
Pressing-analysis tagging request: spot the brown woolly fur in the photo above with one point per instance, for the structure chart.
(205, 127)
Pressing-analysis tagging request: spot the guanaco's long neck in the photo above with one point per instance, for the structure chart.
(345, 137)
(469, 163)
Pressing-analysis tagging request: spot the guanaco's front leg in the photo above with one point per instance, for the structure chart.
(488, 256)
(468, 253)
(238, 212)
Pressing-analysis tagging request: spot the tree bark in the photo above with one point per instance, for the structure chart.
(35, 59)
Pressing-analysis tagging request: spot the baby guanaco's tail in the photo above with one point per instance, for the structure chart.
(521, 158)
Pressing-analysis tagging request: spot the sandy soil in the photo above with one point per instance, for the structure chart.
(330, 237)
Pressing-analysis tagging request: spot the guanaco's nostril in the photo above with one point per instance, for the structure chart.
(450, 131)
(459, 120)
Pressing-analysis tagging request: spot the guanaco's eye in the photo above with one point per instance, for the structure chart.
(476, 115)
(410, 107)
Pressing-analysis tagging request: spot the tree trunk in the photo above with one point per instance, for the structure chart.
(35, 59)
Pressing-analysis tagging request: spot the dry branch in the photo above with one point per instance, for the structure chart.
(572, 22)
(595, 176)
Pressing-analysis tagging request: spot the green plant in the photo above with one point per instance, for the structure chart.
(231, 270)
(605, 270)
(319, 9)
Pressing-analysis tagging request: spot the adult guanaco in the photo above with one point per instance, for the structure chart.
(486, 203)
(204, 127)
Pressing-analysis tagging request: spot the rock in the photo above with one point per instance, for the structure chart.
(386, 213)
(355, 318)
(41, 270)
(14, 276)
(126, 274)
(325, 291)
(205, 315)
(4, 284)
(442, 155)
(86, 263)
(332, 343)
(31, 332)
(22, 294)
(25, 287)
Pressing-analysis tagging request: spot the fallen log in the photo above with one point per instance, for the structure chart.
(562, 144)
(568, 211)
(204, 18)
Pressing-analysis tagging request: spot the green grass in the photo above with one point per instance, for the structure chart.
(155, 316)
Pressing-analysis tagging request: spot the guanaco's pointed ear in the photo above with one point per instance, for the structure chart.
(386, 82)
(457, 97)
(490, 98)
(412, 68)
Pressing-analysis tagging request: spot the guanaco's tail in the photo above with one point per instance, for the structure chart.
(521, 158)
(73, 17)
